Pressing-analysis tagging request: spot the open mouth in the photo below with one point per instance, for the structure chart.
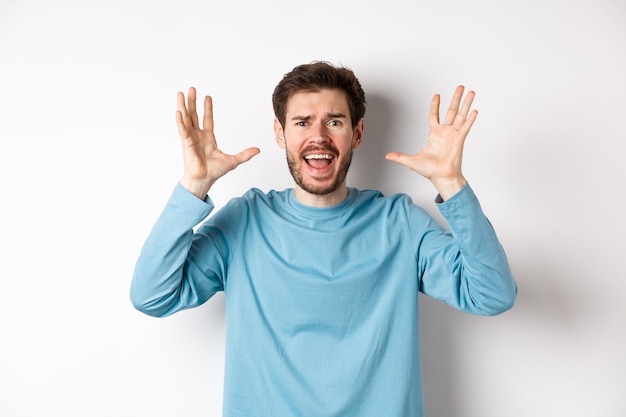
(319, 160)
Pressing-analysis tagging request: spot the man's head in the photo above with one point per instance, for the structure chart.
(314, 77)
(319, 122)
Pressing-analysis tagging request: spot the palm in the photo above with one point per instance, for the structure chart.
(441, 157)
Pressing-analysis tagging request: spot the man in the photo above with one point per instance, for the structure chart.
(321, 281)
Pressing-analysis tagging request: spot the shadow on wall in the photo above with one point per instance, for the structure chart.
(441, 393)
(543, 301)
(370, 170)
(391, 125)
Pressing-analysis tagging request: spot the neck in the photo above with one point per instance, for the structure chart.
(325, 200)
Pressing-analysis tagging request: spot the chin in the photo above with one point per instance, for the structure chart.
(320, 187)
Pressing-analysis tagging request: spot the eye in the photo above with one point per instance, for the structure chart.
(334, 123)
(301, 123)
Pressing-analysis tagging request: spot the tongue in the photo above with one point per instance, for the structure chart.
(319, 163)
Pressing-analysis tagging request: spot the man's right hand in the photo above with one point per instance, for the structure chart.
(203, 162)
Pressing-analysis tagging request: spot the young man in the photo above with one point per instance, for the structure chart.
(322, 280)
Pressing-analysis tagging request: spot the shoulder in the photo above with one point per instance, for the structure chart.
(397, 208)
(255, 199)
(239, 212)
(377, 198)
(256, 196)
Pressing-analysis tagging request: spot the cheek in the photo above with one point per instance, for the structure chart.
(293, 140)
(291, 149)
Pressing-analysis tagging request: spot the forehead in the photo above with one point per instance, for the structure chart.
(322, 101)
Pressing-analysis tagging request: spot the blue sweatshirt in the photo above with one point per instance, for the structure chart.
(322, 316)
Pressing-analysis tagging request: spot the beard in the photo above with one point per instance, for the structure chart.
(319, 186)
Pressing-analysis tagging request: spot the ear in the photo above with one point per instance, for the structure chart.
(357, 135)
(279, 134)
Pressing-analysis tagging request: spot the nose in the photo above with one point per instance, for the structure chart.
(319, 133)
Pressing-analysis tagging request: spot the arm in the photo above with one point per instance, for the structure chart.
(166, 279)
(467, 267)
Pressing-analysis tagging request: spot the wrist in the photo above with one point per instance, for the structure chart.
(449, 187)
(197, 187)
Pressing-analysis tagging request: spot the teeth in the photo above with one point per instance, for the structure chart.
(318, 156)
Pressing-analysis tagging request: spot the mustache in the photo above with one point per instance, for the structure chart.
(319, 149)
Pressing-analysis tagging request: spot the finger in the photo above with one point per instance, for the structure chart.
(454, 105)
(243, 156)
(464, 110)
(191, 106)
(182, 109)
(434, 110)
(180, 123)
(247, 154)
(398, 157)
(469, 123)
(207, 121)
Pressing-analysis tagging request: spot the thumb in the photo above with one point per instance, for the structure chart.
(415, 163)
(246, 155)
(398, 157)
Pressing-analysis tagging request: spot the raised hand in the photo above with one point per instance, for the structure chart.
(203, 162)
(440, 160)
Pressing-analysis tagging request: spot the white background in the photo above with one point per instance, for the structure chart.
(89, 154)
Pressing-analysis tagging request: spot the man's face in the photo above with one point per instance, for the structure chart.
(319, 139)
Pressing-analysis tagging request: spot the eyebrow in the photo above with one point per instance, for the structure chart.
(326, 116)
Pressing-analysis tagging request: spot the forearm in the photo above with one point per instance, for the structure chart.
(485, 262)
(471, 260)
(159, 284)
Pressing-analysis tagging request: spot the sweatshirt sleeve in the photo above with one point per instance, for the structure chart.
(165, 279)
(466, 267)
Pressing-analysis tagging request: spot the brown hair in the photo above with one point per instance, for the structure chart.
(314, 77)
